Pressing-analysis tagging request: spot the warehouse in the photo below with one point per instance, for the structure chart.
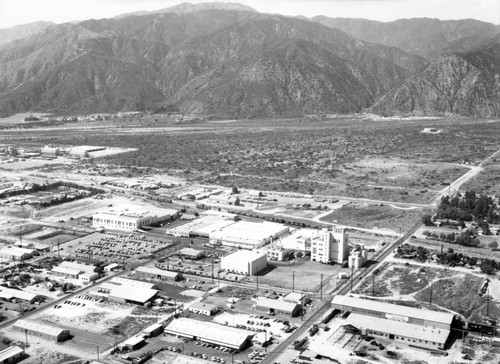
(12, 354)
(226, 336)
(153, 330)
(127, 220)
(133, 343)
(135, 295)
(244, 262)
(191, 253)
(41, 330)
(397, 322)
(9, 294)
(132, 283)
(203, 309)
(15, 253)
(66, 272)
(248, 235)
(157, 275)
(277, 306)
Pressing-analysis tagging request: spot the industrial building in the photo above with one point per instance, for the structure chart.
(157, 275)
(133, 343)
(358, 257)
(329, 245)
(11, 355)
(298, 240)
(226, 336)
(248, 235)
(40, 330)
(277, 306)
(134, 295)
(9, 294)
(76, 270)
(153, 330)
(15, 253)
(128, 220)
(65, 272)
(417, 327)
(244, 262)
(296, 297)
(201, 308)
(276, 252)
(191, 253)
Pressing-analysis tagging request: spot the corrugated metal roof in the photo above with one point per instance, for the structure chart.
(384, 307)
(38, 327)
(9, 352)
(138, 294)
(413, 331)
(279, 305)
(209, 331)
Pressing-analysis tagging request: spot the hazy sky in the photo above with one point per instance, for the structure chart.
(13, 12)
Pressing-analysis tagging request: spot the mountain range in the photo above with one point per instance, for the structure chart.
(228, 60)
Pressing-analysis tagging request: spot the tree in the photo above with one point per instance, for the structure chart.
(235, 190)
(427, 220)
(493, 245)
(237, 202)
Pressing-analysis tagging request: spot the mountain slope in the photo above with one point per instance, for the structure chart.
(22, 31)
(425, 37)
(229, 63)
(184, 8)
(467, 84)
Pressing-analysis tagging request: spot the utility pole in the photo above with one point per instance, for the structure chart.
(352, 275)
(97, 352)
(430, 297)
(293, 281)
(59, 251)
(26, 333)
(321, 287)
(212, 270)
(218, 281)
(257, 277)
(487, 303)
(168, 265)
(373, 284)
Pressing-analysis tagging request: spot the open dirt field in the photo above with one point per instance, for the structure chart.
(371, 216)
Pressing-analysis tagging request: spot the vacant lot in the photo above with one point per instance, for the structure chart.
(372, 216)
(383, 159)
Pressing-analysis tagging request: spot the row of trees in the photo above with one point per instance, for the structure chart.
(467, 207)
(467, 238)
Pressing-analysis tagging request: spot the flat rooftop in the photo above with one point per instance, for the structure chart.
(392, 309)
(413, 331)
(209, 331)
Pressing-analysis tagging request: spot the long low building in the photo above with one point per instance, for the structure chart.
(248, 235)
(277, 306)
(227, 336)
(12, 354)
(393, 312)
(157, 275)
(416, 335)
(244, 262)
(135, 295)
(418, 327)
(15, 253)
(40, 330)
(8, 294)
(128, 220)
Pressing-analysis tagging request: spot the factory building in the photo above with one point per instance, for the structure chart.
(15, 253)
(157, 275)
(298, 240)
(201, 308)
(128, 220)
(358, 257)
(11, 355)
(10, 294)
(276, 252)
(248, 235)
(40, 330)
(226, 336)
(191, 253)
(153, 330)
(134, 295)
(329, 245)
(133, 343)
(271, 306)
(244, 262)
(414, 326)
